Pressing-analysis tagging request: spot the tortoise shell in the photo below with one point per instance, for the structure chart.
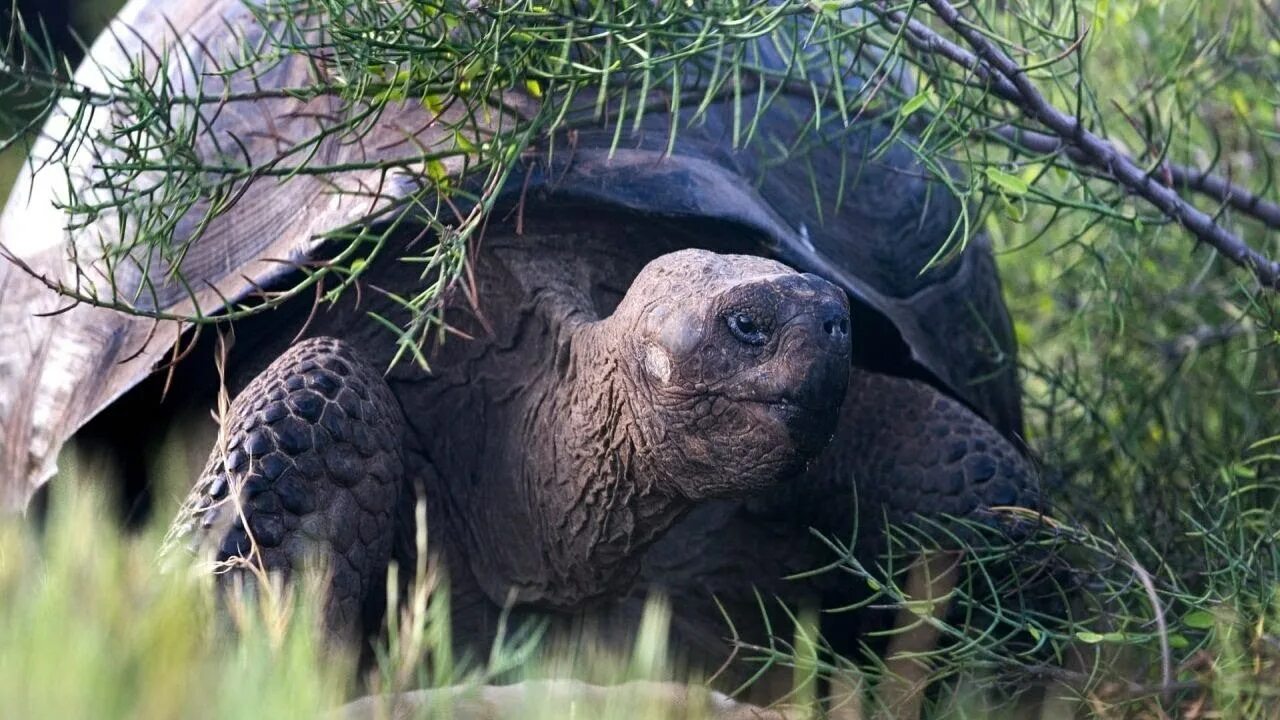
(845, 200)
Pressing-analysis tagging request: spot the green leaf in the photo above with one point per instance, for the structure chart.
(463, 143)
(1240, 102)
(1199, 619)
(1092, 638)
(437, 171)
(434, 103)
(1011, 184)
(914, 104)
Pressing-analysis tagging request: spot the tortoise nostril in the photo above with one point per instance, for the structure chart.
(836, 327)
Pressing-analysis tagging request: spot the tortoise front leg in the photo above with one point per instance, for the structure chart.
(910, 452)
(308, 468)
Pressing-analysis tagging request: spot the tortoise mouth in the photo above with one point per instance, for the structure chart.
(808, 426)
(791, 406)
(794, 405)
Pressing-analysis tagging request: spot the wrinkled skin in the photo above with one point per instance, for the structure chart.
(596, 424)
(599, 440)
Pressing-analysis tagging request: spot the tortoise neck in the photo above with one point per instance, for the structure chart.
(594, 495)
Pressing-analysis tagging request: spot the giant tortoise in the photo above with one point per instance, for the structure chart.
(667, 359)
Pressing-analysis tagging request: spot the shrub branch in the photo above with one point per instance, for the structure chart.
(1067, 134)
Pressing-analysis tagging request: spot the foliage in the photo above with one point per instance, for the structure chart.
(91, 626)
(159, 170)
(91, 629)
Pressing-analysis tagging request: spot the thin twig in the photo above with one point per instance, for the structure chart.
(1162, 626)
(1007, 80)
(1181, 176)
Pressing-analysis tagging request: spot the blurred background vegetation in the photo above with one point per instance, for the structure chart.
(1152, 374)
(69, 25)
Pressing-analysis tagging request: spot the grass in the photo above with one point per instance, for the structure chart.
(91, 629)
(1153, 394)
(92, 626)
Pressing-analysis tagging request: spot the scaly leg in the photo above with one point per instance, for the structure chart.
(309, 467)
(910, 452)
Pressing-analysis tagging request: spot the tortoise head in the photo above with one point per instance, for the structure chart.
(740, 366)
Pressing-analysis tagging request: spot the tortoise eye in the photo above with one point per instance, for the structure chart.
(745, 327)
